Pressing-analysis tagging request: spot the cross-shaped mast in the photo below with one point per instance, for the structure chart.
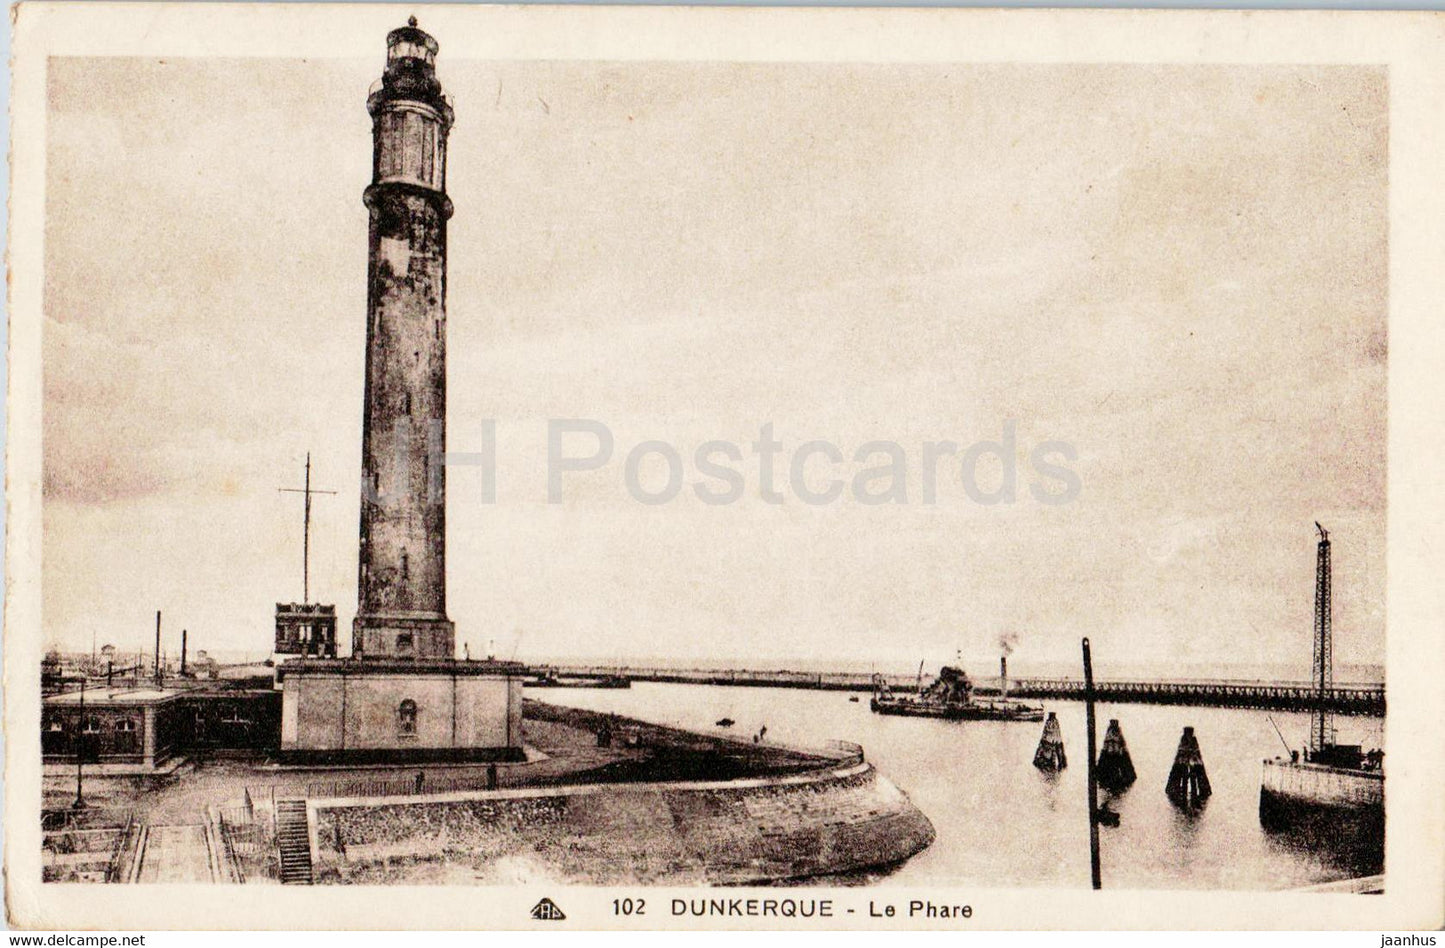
(306, 531)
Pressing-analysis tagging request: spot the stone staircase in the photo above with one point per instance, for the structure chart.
(293, 840)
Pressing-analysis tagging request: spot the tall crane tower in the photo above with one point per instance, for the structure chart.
(1322, 729)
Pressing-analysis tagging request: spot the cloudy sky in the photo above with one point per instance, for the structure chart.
(1179, 271)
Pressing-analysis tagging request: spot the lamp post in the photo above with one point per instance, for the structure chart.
(79, 803)
(1092, 778)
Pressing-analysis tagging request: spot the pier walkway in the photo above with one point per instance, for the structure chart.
(175, 853)
(1272, 695)
(1365, 698)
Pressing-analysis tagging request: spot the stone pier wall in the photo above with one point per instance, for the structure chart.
(724, 832)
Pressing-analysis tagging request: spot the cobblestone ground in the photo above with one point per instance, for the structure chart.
(176, 854)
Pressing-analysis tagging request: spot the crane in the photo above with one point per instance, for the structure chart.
(1322, 732)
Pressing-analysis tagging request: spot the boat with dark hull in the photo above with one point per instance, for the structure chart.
(1346, 793)
(1332, 791)
(950, 697)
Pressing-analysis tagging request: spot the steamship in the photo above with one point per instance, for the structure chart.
(951, 697)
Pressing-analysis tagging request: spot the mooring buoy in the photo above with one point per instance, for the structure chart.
(1050, 755)
(1188, 782)
(1116, 768)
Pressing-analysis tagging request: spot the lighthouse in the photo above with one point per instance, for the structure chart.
(402, 697)
(401, 610)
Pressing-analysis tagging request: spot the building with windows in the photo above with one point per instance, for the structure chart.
(148, 728)
(105, 726)
(305, 628)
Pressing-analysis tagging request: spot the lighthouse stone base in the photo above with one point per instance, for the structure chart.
(348, 711)
(404, 638)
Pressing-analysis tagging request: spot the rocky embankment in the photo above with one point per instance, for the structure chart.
(697, 809)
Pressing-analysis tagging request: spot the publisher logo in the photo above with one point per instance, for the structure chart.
(546, 910)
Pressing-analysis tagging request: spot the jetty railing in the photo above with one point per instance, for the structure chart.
(1346, 698)
(1273, 695)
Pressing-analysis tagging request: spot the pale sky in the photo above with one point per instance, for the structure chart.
(1181, 271)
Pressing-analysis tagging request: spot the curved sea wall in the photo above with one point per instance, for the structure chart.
(762, 829)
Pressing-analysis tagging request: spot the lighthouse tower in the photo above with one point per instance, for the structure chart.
(402, 697)
(402, 613)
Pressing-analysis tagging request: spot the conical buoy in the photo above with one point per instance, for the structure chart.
(1116, 769)
(1050, 755)
(1188, 783)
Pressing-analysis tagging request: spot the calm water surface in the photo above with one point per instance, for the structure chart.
(1002, 822)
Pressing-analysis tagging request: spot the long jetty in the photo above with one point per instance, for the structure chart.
(1351, 698)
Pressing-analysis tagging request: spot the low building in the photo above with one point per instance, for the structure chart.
(232, 722)
(394, 711)
(150, 727)
(112, 726)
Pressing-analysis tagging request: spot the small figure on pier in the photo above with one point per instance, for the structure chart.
(1188, 783)
(1116, 768)
(1050, 755)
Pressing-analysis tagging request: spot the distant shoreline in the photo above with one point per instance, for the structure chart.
(1264, 694)
(982, 669)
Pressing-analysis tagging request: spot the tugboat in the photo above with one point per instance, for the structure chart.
(951, 697)
(1338, 789)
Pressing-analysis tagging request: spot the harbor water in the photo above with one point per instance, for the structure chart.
(1002, 822)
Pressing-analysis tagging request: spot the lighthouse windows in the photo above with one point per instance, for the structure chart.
(428, 152)
(408, 49)
(389, 155)
(412, 137)
(409, 146)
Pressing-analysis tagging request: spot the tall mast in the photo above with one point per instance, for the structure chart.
(1322, 729)
(306, 537)
(306, 529)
